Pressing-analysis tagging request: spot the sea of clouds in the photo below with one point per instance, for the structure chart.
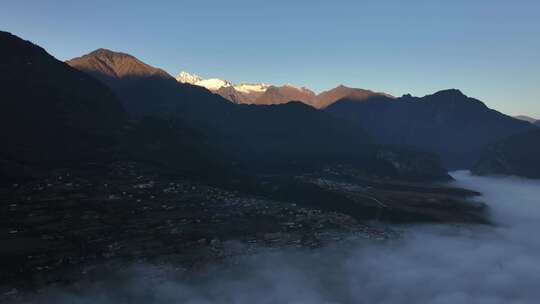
(430, 264)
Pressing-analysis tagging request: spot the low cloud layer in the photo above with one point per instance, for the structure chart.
(430, 264)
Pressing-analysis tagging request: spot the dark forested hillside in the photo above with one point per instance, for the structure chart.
(54, 115)
(253, 137)
(448, 123)
(50, 111)
(516, 155)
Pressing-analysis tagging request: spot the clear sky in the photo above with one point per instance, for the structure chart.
(490, 49)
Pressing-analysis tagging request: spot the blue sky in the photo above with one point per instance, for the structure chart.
(490, 49)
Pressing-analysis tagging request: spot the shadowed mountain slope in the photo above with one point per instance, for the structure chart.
(264, 94)
(517, 155)
(284, 94)
(56, 116)
(143, 89)
(526, 118)
(259, 135)
(50, 111)
(448, 123)
(329, 97)
(271, 137)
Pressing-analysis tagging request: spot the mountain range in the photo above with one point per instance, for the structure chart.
(51, 112)
(281, 136)
(534, 121)
(109, 105)
(278, 136)
(260, 93)
(54, 116)
(107, 160)
(448, 123)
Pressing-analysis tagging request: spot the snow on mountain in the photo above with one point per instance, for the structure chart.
(251, 87)
(292, 86)
(526, 118)
(214, 84)
(185, 77)
(260, 93)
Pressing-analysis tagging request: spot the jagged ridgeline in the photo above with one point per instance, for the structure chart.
(54, 115)
(119, 108)
(447, 123)
(51, 113)
(516, 155)
(265, 94)
(279, 137)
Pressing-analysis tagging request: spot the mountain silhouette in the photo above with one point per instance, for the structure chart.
(54, 115)
(516, 155)
(534, 121)
(256, 137)
(526, 118)
(286, 93)
(264, 94)
(143, 89)
(448, 123)
(248, 133)
(50, 111)
(240, 96)
(329, 97)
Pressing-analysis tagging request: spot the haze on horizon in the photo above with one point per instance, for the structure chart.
(487, 49)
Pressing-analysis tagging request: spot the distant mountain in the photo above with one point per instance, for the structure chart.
(516, 155)
(143, 89)
(51, 112)
(185, 77)
(53, 115)
(214, 84)
(286, 93)
(277, 95)
(525, 118)
(282, 137)
(246, 93)
(252, 87)
(238, 93)
(264, 94)
(329, 97)
(116, 65)
(534, 121)
(245, 132)
(447, 123)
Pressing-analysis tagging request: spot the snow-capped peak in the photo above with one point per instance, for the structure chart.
(251, 87)
(214, 84)
(185, 77)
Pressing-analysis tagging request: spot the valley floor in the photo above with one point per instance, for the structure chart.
(77, 225)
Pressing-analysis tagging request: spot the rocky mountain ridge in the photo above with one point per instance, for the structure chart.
(448, 123)
(517, 155)
(534, 121)
(261, 93)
